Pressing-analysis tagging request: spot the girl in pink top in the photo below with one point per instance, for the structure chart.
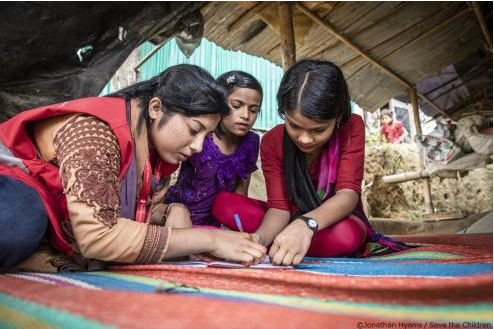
(392, 130)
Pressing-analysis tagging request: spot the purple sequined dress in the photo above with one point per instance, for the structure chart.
(210, 172)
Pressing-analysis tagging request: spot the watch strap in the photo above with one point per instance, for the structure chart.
(306, 220)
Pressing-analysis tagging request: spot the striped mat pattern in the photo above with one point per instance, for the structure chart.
(433, 284)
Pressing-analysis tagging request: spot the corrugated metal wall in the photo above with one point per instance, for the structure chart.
(218, 61)
(107, 90)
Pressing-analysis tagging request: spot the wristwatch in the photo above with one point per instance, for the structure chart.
(311, 224)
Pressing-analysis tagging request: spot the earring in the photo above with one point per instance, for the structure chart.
(338, 124)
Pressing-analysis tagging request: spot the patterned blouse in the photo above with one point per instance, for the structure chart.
(88, 155)
(210, 172)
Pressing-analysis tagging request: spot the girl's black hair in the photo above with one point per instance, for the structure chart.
(238, 79)
(319, 91)
(186, 89)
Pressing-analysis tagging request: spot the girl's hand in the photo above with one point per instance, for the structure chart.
(239, 247)
(291, 245)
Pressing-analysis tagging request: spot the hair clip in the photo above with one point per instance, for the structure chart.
(231, 79)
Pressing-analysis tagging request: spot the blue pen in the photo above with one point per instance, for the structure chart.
(238, 222)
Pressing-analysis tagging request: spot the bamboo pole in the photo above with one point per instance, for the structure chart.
(349, 43)
(362, 28)
(473, 72)
(442, 85)
(419, 37)
(374, 62)
(483, 26)
(453, 87)
(404, 177)
(286, 34)
(418, 131)
(431, 103)
(414, 175)
(422, 36)
(149, 55)
(394, 37)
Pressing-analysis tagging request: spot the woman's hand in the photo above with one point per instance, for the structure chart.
(239, 247)
(291, 245)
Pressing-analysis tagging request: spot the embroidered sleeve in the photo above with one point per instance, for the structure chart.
(89, 159)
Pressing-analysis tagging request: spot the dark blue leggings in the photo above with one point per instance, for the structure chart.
(23, 222)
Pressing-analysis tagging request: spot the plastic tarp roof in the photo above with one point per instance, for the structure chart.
(56, 51)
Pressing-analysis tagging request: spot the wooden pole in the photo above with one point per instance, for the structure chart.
(483, 26)
(286, 33)
(300, 6)
(393, 37)
(349, 43)
(453, 87)
(149, 55)
(418, 131)
(404, 177)
(413, 175)
(452, 19)
(437, 108)
(420, 37)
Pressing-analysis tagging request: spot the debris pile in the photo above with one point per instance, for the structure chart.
(471, 193)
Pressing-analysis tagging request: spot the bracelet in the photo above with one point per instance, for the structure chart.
(167, 243)
(169, 207)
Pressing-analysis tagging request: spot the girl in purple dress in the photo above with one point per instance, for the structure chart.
(229, 155)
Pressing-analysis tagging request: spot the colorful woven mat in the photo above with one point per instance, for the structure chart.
(440, 285)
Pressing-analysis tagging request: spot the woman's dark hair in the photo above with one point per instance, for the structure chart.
(186, 89)
(237, 79)
(319, 91)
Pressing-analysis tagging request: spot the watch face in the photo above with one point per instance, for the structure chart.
(312, 223)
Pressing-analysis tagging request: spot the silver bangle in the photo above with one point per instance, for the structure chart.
(169, 207)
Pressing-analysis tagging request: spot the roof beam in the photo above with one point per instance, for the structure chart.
(273, 49)
(287, 35)
(300, 6)
(437, 108)
(394, 37)
(245, 17)
(476, 96)
(460, 75)
(483, 26)
(390, 13)
(463, 82)
(149, 55)
(350, 44)
(427, 33)
(419, 37)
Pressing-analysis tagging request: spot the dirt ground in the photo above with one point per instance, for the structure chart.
(470, 194)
